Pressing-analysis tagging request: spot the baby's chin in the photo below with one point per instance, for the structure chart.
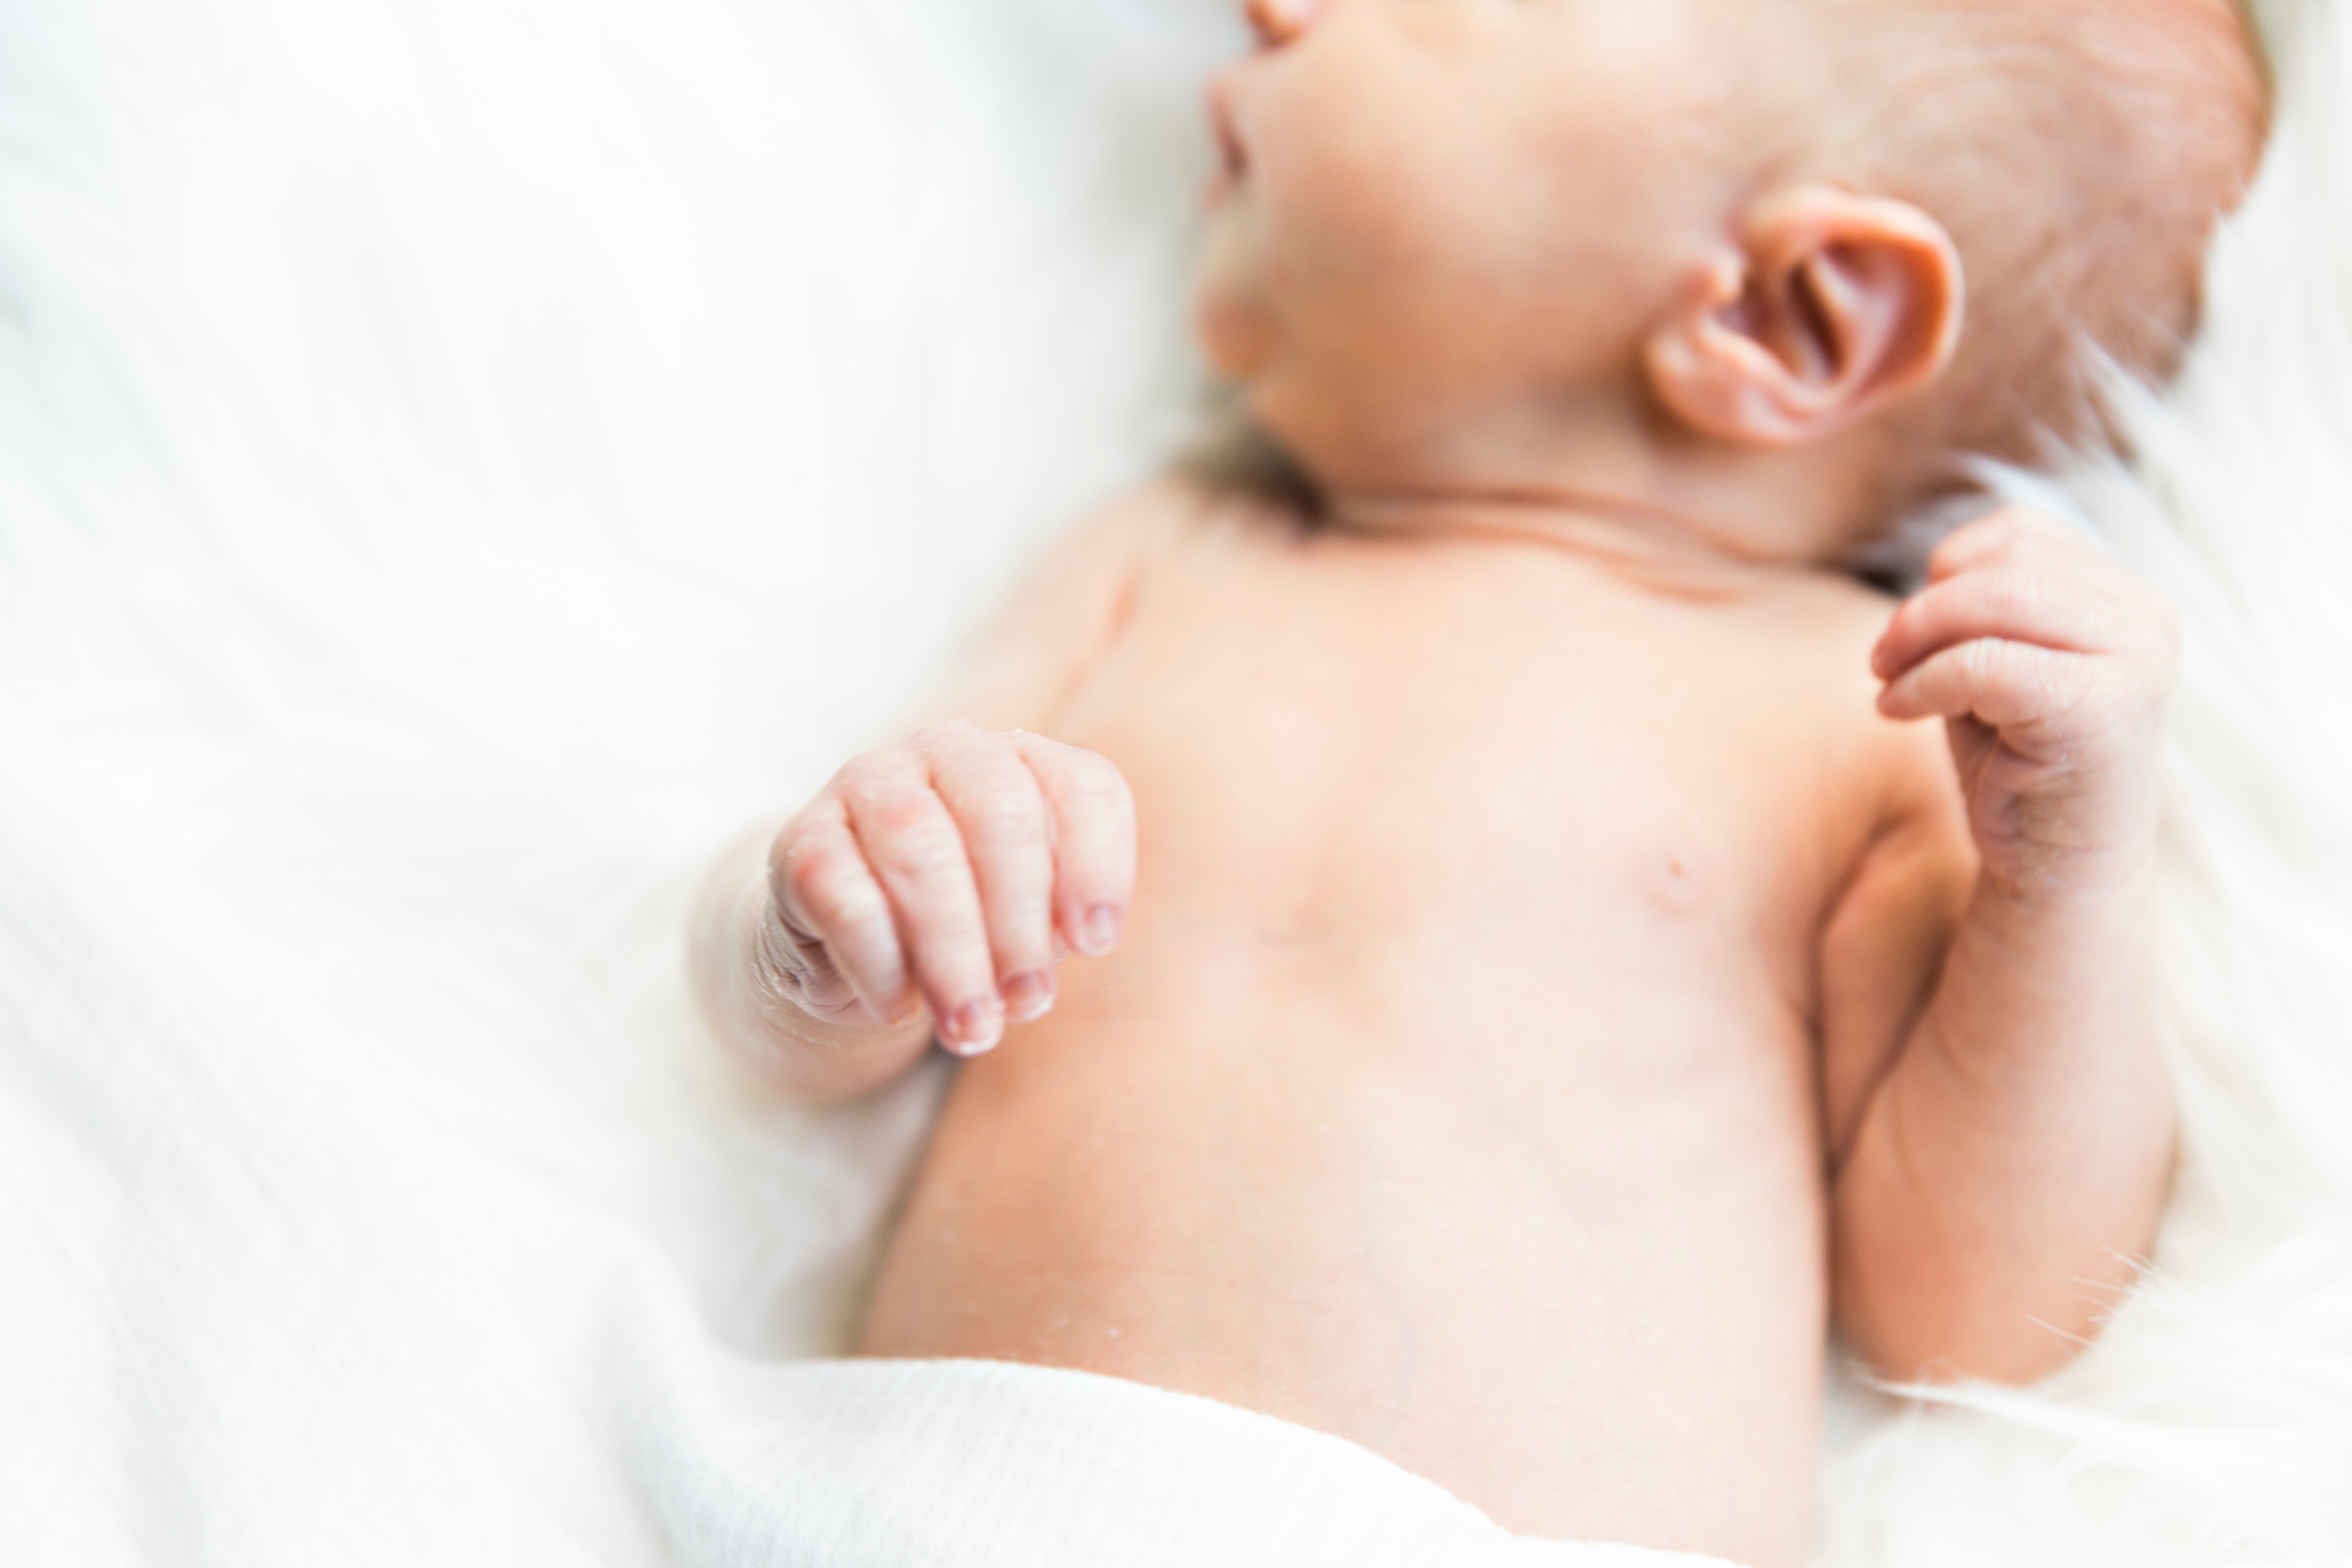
(1234, 343)
(1230, 314)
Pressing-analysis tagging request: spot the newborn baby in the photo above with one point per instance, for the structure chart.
(1573, 939)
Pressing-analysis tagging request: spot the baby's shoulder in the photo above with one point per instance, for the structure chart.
(1175, 508)
(1826, 610)
(1825, 629)
(1812, 633)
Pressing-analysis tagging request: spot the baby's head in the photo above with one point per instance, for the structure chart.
(1768, 264)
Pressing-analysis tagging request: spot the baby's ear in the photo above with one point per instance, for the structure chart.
(1835, 306)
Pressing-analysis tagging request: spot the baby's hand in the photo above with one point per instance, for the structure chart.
(2052, 664)
(951, 872)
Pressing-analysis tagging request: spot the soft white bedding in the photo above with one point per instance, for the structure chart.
(460, 460)
(976, 1465)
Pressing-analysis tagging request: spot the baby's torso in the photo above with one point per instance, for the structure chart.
(1455, 1088)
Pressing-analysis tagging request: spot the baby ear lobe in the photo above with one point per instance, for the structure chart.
(1835, 306)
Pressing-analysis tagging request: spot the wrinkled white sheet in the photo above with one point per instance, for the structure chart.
(973, 1465)
(460, 460)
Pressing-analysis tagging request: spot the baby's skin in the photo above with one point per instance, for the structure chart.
(1544, 940)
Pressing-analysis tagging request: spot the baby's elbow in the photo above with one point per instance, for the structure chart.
(1923, 1332)
(2017, 1357)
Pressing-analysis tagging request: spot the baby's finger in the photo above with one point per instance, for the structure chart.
(2018, 600)
(917, 853)
(2004, 684)
(1998, 536)
(821, 885)
(1093, 843)
(1008, 834)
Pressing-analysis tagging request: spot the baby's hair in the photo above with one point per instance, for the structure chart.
(2081, 152)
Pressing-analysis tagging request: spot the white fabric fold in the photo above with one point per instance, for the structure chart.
(980, 1465)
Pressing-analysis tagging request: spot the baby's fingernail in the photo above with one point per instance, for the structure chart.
(1101, 934)
(1028, 997)
(974, 1027)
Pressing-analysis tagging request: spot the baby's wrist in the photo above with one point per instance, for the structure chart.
(2096, 899)
(2088, 842)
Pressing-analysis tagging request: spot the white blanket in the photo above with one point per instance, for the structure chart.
(971, 1465)
(460, 460)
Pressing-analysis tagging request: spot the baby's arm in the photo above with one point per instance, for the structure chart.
(931, 888)
(2000, 1169)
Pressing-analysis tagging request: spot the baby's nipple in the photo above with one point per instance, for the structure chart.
(1675, 884)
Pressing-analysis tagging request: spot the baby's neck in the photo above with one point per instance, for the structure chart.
(1603, 475)
(1656, 547)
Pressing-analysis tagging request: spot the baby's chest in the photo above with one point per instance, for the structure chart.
(1406, 777)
